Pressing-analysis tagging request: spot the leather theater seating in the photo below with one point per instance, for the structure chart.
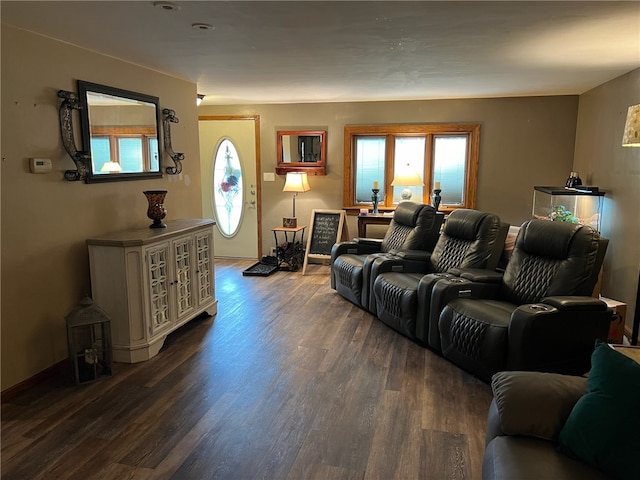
(402, 287)
(538, 316)
(413, 227)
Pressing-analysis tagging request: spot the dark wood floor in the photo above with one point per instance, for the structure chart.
(289, 381)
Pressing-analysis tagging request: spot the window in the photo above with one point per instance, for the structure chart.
(447, 154)
(228, 199)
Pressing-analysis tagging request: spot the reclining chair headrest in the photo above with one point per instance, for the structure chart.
(471, 239)
(550, 239)
(407, 213)
(464, 223)
(414, 226)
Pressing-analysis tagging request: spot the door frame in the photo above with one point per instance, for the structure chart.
(256, 125)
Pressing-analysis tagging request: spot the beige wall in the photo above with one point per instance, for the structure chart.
(45, 219)
(523, 142)
(602, 161)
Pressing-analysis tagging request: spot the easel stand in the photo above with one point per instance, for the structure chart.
(327, 228)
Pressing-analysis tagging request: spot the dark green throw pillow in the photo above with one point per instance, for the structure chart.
(603, 428)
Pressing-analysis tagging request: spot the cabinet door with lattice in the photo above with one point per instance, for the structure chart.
(182, 284)
(205, 282)
(158, 279)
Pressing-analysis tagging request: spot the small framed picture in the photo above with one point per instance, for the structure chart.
(289, 222)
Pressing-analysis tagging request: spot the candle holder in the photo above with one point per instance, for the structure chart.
(375, 198)
(436, 198)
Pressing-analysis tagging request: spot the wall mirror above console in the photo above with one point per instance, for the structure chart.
(120, 133)
(301, 151)
(121, 130)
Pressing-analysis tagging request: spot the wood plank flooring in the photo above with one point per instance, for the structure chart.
(288, 381)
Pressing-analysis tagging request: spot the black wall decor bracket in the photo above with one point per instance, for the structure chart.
(177, 157)
(71, 102)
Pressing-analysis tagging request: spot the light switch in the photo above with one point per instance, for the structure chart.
(269, 177)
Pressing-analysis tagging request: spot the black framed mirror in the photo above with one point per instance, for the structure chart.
(301, 151)
(121, 132)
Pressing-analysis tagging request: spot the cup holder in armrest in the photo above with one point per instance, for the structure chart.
(457, 280)
(539, 307)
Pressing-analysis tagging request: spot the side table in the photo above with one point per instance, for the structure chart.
(290, 253)
(372, 219)
(630, 351)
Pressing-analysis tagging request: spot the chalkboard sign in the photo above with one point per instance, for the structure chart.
(326, 230)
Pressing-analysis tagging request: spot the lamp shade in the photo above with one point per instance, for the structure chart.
(631, 137)
(111, 167)
(296, 182)
(407, 176)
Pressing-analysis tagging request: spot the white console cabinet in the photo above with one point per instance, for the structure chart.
(152, 281)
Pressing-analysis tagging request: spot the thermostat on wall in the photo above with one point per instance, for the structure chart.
(40, 165)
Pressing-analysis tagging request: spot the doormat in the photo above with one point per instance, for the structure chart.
(260, 270)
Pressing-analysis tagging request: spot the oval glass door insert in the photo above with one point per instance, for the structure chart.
(227, 188)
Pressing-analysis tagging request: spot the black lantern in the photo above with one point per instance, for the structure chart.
(89, 338)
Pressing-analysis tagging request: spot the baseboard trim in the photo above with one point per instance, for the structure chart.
(12, 392)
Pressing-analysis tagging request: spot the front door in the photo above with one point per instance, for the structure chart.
(230, 190)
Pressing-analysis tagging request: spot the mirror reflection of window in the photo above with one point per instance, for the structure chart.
(154, 155)
(130, 155)
(121, 128)
(100, 154)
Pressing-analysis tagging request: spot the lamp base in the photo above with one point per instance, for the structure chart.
(289, 222)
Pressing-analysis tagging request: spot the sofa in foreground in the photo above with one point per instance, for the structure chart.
(551, 426)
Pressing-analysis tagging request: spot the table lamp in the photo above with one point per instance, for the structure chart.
(296, 182)
(407, 176)
(111, 167)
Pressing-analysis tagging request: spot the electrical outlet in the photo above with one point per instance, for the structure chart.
(269, 176)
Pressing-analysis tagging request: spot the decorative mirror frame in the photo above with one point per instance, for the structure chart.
(177, 157)
(312, 168)
(85, 128)
(71, 102)
(82, 158)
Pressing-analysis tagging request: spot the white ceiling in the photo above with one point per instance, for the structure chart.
(306, 51)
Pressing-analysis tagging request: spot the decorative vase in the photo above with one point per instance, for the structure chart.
(156, 210)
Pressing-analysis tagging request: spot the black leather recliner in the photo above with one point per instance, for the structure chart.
(538, 316)
(470, 239)
(414, 226)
